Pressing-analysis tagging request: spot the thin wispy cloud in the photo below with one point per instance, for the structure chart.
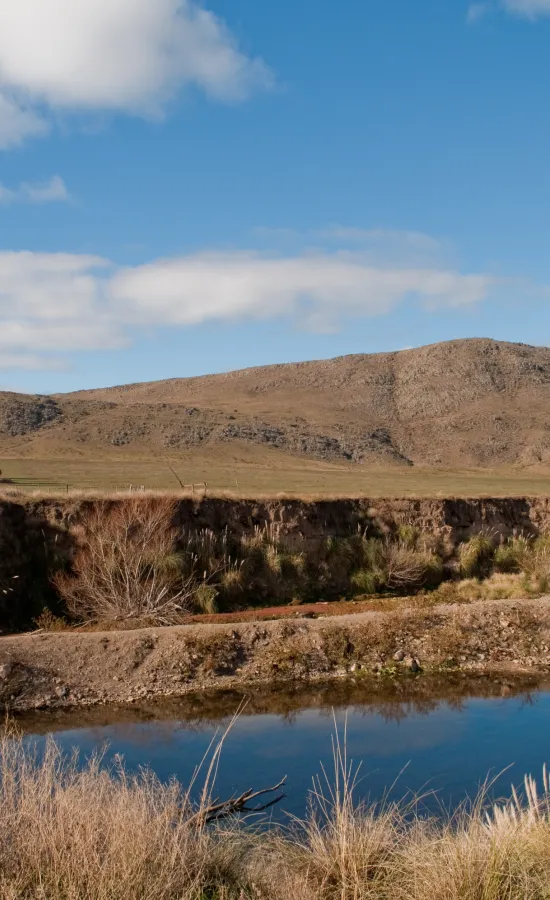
(530, 9)
(30, 363)
(54, 190)
(477, 11)
(416, 240)
(130, 56)
(527, 9)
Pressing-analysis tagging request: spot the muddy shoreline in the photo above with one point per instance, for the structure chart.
(56, 670)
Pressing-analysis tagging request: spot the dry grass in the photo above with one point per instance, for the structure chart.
(498, 586)
(72, 831)
(276, 475)
(476, 555)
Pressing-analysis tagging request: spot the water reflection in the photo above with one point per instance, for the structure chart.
(445, 733)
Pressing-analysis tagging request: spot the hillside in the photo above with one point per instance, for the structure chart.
(462, 403)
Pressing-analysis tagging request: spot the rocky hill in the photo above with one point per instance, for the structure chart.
(467, 402)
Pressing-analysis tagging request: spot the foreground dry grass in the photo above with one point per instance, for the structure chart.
(72, 832)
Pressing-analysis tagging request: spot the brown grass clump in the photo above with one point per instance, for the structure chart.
(396, 565)
(350, 851)
(497, 587)
(126, 566)
(72, 830)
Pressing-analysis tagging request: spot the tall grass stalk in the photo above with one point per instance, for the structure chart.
(73, 830)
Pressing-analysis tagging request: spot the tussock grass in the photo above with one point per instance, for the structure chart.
(134, 564)
(498, 586)
(512, 555)
(475, 556)
(71, 830)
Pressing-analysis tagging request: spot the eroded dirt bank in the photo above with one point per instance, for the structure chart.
(39, 539)
(302, 520)
(71, 669)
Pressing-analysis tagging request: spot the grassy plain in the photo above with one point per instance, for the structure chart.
(280, 475)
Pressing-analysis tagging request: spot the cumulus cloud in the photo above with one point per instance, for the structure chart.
(51, 303)
(51, 191)
(198, 288)
(55, 304)
(120, 55)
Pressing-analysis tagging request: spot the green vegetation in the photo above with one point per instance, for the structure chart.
(72, 830)
(475, 556)
(133, 564)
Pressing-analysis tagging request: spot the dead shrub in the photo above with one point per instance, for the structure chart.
(396, 566)
(407, 568)
(126, 565)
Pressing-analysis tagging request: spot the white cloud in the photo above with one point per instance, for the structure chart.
(199, 288)
(49, 191)
(52, 303)
(120, 55)
(17, 122)
(56, 304)
(30, 362)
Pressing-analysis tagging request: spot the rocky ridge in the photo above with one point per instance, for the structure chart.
(462, 403)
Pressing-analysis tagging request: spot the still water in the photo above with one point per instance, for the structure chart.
(442, 736)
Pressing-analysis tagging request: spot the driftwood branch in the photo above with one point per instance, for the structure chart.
(235, 805)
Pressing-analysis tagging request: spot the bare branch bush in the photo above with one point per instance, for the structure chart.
(126, 565)
(407, 568)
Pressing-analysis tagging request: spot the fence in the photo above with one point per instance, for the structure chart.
(196, 488)
(62, 487)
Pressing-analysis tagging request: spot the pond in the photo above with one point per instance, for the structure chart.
(441, 736)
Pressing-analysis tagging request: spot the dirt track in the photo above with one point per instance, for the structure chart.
(71, 669)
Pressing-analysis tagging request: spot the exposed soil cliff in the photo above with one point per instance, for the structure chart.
(38, 538)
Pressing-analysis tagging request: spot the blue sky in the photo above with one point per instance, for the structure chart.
(192, 188)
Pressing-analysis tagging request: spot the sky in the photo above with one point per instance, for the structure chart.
(190, 187)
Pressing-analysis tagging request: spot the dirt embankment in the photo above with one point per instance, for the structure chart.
(38, 538)
(312, 521)
(64, 669)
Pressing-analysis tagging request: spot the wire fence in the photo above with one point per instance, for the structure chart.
(30, 485)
